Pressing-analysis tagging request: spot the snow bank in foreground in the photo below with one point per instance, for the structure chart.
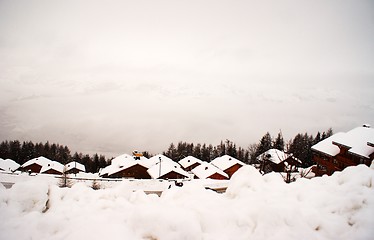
(254, 207)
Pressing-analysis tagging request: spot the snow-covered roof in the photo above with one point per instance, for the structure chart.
(123, 161)
(166, 167)
(327, 147)
(107, 169)
(156, 159)
(205, 170)
(52, 165)
(8, 165)
(225, 162)
(273, 155)
(76, 165)
(41, 161)
(189, 161)
(357, 141)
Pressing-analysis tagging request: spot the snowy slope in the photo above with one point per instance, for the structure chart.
(254, 207)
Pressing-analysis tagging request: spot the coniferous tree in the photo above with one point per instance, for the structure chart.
(95, 163)
(317, 139)
(264, 145)
(205, 153)
(146, 154)
(221, 149)
(279, 142)
(15, 151)
(329, 132)
(4, 150)
(197, 151)
(252, 152)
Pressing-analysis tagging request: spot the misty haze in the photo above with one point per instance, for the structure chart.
(170, 119)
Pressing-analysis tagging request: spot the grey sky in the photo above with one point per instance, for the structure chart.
(114, 76)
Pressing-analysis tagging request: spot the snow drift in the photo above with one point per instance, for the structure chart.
(254, 207)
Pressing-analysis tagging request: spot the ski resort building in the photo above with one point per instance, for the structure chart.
(342, 150)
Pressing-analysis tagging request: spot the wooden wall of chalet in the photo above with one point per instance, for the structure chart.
(328, 165)
(137, 171)
(172, 175)
(35, 168)
(52, 171)
(73, 171)
(218, 176)
(187, 169)
(230, 171)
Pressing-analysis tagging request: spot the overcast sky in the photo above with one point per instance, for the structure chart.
(114, 76)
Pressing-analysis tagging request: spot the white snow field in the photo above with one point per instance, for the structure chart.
(253, 207)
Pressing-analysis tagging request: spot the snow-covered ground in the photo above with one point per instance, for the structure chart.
(253, 207)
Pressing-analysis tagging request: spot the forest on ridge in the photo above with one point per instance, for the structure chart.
(299, 146)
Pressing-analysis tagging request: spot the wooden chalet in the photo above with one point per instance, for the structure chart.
(74, 168)
(52, 167)
(206, 170)
(275, 160)
(227, 164)
(35, 165)
(133, 170)
(189, 163)
(163, 167)
(342, 150)
(126, 166)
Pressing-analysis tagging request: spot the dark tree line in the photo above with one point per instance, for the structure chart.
(22, 152)
(299, 146)
(206, 152)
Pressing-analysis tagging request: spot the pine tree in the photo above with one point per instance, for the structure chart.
(279, 142)
(317, 139)
(197, 151)
(252, 152)
(15, 151)
(265, 144)
(4, 150)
